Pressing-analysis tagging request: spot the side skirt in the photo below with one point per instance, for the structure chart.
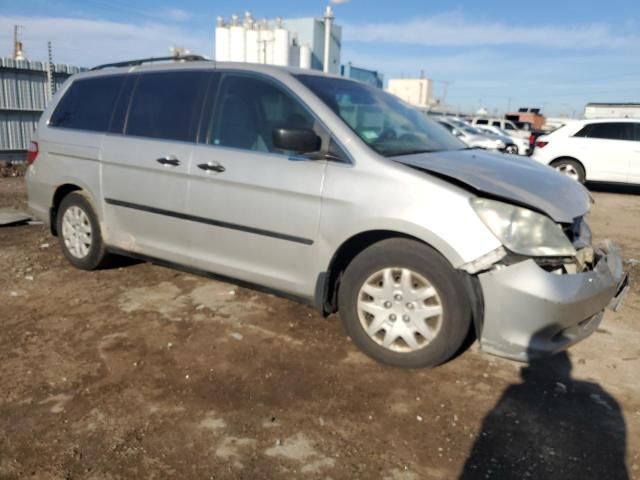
(213, 276)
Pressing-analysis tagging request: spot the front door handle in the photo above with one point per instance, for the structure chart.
(215, 167)
(169, 160)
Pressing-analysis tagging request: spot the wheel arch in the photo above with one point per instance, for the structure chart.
(328, 282)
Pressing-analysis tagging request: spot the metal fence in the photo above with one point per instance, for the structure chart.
(24, 93)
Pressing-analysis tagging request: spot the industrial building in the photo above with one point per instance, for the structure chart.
(299, 42)
(371, 77)
(612, 110)
(415, 91)
(25, 88)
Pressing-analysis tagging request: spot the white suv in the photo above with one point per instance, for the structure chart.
(594, 150)
(506, 125)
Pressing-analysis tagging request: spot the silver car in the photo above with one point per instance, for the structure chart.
(328, 191)
(473, 137)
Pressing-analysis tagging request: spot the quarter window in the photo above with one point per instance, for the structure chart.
(248, 109)
(167, 105)
(88, 104)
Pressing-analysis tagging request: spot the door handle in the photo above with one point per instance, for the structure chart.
(168, 160)
(215, 167)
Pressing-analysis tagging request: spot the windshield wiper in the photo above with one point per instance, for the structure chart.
(408, 152)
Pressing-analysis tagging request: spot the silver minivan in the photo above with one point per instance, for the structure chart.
(328, 191)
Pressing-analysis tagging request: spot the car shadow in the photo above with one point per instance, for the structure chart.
(622, 188)
(550, 426)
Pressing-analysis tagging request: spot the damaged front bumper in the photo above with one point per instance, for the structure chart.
(530, 312)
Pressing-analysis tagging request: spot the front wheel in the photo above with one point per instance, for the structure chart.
(404, 305)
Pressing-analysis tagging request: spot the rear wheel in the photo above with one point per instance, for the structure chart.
(571, 168)
(404, 305)
(79, 232)
(512, 149)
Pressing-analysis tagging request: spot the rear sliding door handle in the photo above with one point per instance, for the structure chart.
(168, 160)
(215, 167)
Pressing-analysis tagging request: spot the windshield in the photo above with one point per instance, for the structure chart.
(385, 123)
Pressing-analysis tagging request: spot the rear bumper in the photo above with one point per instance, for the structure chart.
(529, 312)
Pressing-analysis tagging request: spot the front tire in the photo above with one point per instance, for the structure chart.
(404, 305)
(79, 232)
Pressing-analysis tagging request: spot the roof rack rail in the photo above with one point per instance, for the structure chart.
(133, 63)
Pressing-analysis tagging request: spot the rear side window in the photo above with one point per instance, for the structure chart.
(608, 131)
(167, 105)
(88, 104)
(482, 121)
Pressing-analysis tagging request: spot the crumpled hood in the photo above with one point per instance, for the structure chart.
(516, 179)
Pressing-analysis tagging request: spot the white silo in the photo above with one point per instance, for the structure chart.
(266, 44)
(305, 56)
(253, 46)
(237, 39)
(222, 41)
(280, 44)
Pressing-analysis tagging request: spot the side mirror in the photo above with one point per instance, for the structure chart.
(456, 132)
(296, 140)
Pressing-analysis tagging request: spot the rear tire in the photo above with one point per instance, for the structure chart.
(570, 168)
(512, 149)
(79, 232)
(404, 305)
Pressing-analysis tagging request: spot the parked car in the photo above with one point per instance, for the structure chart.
(515, 145)
(506, 125)
(328, 191)
(472, 137)
(594, 150)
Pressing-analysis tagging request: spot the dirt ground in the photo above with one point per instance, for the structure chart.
(140, 371)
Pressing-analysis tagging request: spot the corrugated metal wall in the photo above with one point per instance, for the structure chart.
(23, 96)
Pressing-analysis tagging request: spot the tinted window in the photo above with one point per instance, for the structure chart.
(167, 105)
(88, 104)
(482, 122)
(495, 123)
(635, 132)
(248, 109)
(608, 131)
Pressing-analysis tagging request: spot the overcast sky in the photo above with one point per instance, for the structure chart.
(557, 55)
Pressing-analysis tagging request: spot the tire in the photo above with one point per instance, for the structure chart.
(79, 232)
(512, 149)
(391, 259)
(570, 168)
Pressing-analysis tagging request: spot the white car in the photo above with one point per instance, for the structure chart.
(521, 144)
(602, 150)
(504, 124)
(471, 136)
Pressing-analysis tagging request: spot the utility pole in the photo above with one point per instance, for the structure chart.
(50, 83)
(17, 44)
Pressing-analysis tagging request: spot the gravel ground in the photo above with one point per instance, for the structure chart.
(140, 371)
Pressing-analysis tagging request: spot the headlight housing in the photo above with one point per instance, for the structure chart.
(523, 231)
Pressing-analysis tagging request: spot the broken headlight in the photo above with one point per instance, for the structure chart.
(522, 230)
